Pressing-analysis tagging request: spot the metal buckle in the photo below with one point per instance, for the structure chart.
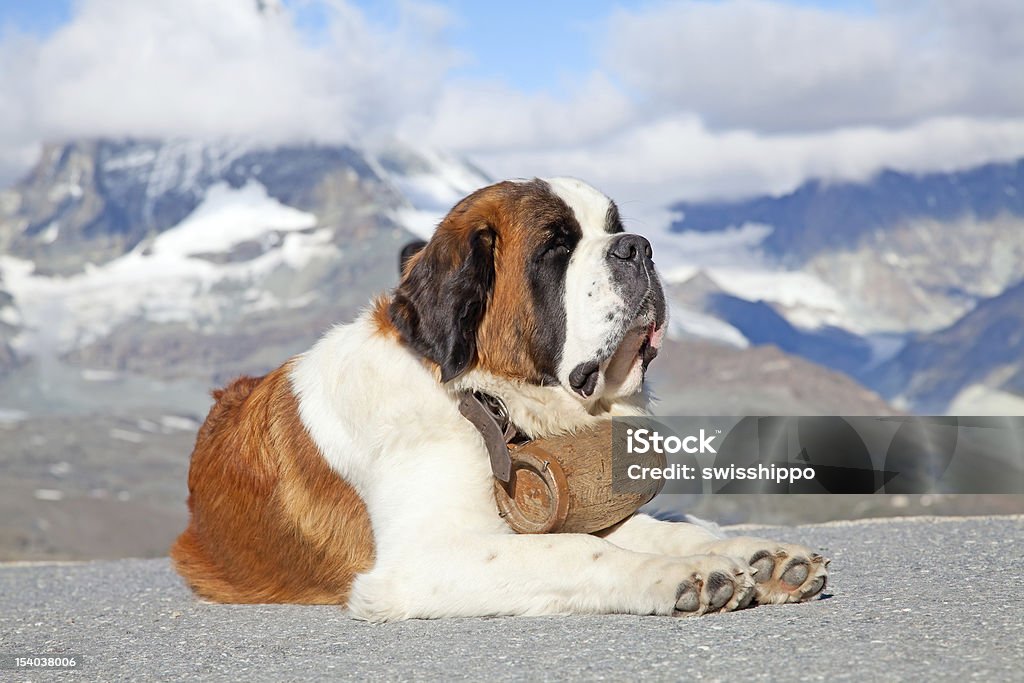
(499, 411)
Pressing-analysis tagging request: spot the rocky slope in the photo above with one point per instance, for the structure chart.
(700, 377)
(983, 353)
(904, 252)
(897, 257)
(760, 323)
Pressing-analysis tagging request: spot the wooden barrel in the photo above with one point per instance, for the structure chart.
(564, 484)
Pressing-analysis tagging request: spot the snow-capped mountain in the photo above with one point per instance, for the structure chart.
(758, 323)
(93, 200)
(975, 365)
(901, 252)
(826, 216)
(845, 273)
(190, 258)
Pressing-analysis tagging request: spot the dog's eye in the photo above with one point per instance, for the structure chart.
(557, 250)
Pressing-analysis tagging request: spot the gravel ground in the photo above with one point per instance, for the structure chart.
(909, 599)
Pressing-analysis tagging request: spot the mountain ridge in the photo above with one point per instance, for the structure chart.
(930, 371)
(924, 259)
(854, 209)
(98, 198)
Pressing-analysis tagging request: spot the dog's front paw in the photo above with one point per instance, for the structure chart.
(713, 584)
(785, 572)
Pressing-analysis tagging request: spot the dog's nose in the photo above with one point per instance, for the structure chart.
(630, 248)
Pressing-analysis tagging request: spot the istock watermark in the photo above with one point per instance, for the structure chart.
(647, 441)
(813, 454)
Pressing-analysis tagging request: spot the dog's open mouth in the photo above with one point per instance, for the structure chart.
(640, 344)
(638, 348)
(624, 366)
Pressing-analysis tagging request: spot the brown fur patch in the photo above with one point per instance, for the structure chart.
(381, 320)
(270, 521)
(517, 213)
(520, 212)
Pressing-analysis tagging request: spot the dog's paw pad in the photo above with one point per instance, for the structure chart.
(720, 589)
(796, 575)
(719, 585)
(815, 587)
(763, 565)
(688, 597)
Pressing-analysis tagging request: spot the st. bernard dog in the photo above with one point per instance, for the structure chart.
(349, 476)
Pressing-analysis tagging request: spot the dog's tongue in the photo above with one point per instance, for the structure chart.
(655, 336)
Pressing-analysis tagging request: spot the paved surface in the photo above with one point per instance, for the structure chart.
(908, 600)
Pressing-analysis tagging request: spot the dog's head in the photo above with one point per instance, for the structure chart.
(534, 281)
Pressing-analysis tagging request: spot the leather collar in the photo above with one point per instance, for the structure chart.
(490, 416)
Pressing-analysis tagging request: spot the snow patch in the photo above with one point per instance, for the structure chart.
(733, 259)
(133, 159)
(10, 416)
(685, 322)
(884, 347)
(91, 375)
(804, 299)
(448, 181)
(10, 316)
(164, 283)
(179, 165)
(419, 222)
(50, 233)
(227, 217)
(978, 399)
(125, 435)
(178, 423)
(433, 193)
(298, 250)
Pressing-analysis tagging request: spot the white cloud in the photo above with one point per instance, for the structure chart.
(486, 117)
(207, 69)
(774, 66)
(678, 157)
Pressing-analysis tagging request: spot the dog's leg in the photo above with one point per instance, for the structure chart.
(506, 574)
(785, 572)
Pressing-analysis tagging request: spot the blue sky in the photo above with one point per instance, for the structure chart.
(36, 16)
(531, 45)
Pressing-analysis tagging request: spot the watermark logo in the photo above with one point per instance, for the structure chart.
(765, 454)
(640, 441)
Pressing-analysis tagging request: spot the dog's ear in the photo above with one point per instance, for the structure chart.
(408, 251)
(442, 297)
